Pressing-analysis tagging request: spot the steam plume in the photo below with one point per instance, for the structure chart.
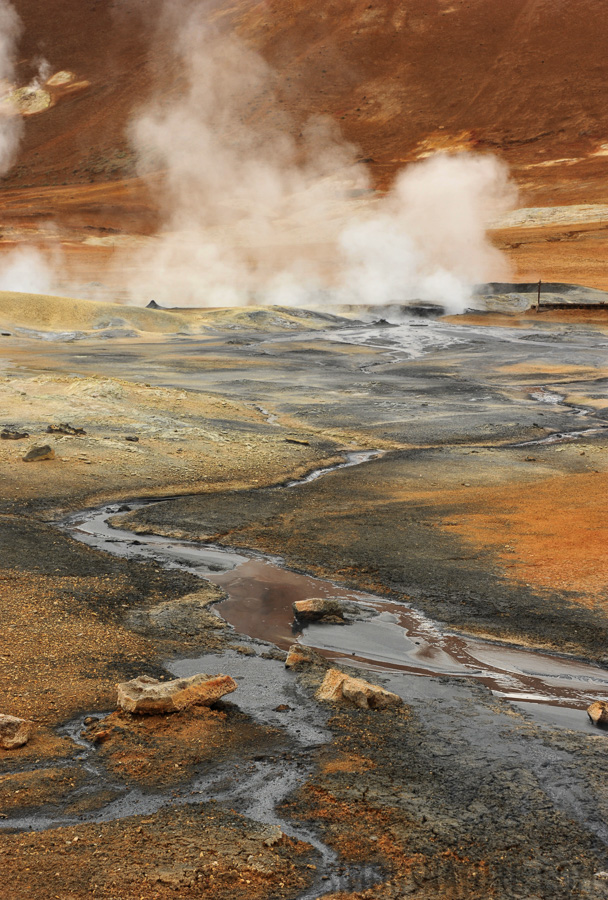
(428, 238)
(28, 271)
(11, 125)
(250, 214)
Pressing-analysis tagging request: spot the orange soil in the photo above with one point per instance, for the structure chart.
(551, 534)
(71, 646)
(573, 254)
(168, 749)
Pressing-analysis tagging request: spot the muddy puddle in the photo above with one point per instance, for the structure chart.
(391, 637)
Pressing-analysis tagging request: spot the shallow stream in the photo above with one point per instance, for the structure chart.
(392, 637)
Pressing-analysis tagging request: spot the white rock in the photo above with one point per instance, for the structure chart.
(146, 695)
(338, 687)
(14, 732)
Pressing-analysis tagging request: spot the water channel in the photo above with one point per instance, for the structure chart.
(390, 636)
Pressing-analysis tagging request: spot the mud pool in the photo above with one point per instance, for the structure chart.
(393, 638)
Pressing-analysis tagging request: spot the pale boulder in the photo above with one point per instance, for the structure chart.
(316, 608)
(300, 655)
(14, 732)
(148, 696)
(598, 712)
(338, 687)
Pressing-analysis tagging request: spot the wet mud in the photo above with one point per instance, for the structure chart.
(465, 791)
(259, 597)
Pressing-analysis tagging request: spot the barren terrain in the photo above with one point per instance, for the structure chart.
(485, 513)
(443, 475)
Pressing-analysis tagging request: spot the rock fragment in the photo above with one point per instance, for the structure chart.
(132, 438)
(14, 732)
(8, 434)
(299, 655)
(316, 609)
(64, 428)
(338, 687)
(148, 696)
(598, 713)
(38, 453)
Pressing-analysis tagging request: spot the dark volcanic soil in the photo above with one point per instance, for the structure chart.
(491, 520)
(486, 511)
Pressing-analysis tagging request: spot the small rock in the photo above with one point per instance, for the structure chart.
(124, 508)
(132, 438)
(90, 720)
(5, 333)
(301, 655)
(64, 428)
(282, 707)
(274, 835)
(14, 732)
(36, 454)
(9, 435)
(243, 650)
(338, 687)
(274, 653)
(148, 696)
(598, 713)
(318, 608)
(98, 737)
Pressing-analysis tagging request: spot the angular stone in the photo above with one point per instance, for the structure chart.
(598, 712)
(8, 434)
(338, 687)
(14, 732)
(186, 615)
(148, 696)
(316, 608)
(301, 655)
(35, 454)
(64, 428)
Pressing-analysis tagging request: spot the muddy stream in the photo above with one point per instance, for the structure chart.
(390, 639)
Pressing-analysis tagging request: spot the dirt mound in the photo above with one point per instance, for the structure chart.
(45, 313)
(39, 312)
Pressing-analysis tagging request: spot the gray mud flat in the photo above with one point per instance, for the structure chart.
(539, 772)
(391, 638)
(490, 782)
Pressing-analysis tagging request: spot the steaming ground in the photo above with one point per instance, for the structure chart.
(486, 511)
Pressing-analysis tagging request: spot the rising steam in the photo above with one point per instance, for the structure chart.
(11, 125)
(24, 269)
(250, 214)
(427, 240)
(27, 270)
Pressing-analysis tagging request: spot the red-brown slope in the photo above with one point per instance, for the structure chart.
(525, 79)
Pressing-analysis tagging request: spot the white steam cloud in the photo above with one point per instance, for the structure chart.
(428, 238)
(11, 125)
(253, 215)
(28, 271)
(24, 269)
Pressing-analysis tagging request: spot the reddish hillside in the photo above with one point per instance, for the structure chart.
(525, 79)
